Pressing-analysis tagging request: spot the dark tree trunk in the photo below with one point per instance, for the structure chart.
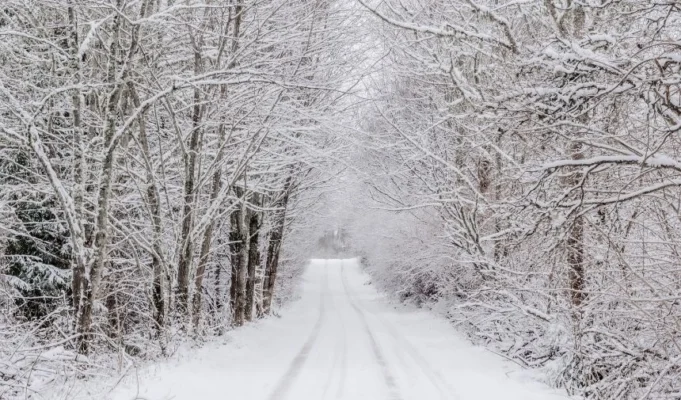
(113, 316)
(575, 258)
(239, 244)
(200, 272)
(219, 301)
(575, 240)
(242, 275)
(208, 234)
(187, 247)
(235, 252)
(89, 285)
(253, 259)
(158, 284)
(274, 247)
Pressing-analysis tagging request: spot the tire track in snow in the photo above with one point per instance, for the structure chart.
(339, 355)
(447, 392)
(344, 359)
(344, 356)
(378, 354)
(285, 382)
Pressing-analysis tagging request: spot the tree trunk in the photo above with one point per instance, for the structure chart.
(101, 242)
(575, 258)
(157, 266)
(208, 234)
(187, 247)
(575, 240)
(253, 258)
(219, 303)
(114, 318)
(238, 237)
(111, 139)
(200, 272)
(241, 276)
(234, 252)
(274, 247)
(79, 161)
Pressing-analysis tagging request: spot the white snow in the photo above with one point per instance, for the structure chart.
(340, 340)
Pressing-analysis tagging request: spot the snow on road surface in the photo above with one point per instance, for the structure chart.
(340, 340)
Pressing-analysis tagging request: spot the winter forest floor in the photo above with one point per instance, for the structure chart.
(340, 339)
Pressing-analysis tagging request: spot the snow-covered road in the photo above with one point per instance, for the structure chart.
(340, 340)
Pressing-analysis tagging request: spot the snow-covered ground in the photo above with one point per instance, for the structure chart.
(340, 340)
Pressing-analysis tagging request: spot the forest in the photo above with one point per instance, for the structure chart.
(168, 166)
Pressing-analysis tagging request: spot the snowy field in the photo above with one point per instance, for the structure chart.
(340, 340)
